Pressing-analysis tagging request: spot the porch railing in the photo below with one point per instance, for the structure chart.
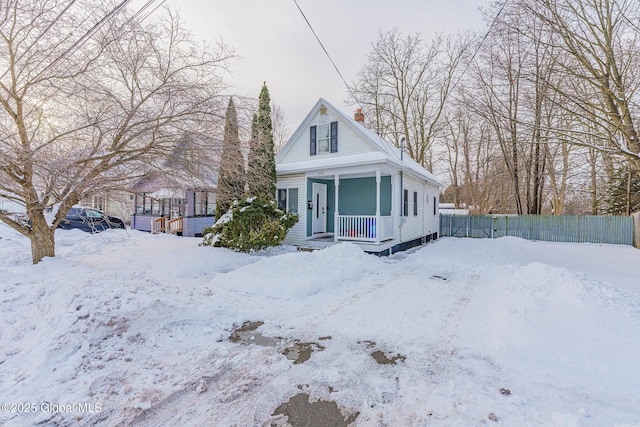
(158, 225)
(174, 225)
(365, 228)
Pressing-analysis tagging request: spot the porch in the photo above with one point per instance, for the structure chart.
(364, 228)
(166, 225)
(350, 207)
(180, 212)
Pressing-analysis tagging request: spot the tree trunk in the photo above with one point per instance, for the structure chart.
(42, 239)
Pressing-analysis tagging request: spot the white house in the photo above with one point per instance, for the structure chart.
(348, 184)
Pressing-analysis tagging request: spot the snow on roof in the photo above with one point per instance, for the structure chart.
(332, 162)
(171, 183)
(7, 205)
(391, 152)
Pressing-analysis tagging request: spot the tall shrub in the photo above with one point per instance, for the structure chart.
(231, 173)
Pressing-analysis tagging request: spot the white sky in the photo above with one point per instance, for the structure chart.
(277, 46)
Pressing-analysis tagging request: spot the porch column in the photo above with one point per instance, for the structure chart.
(336, 214)
(378, 222)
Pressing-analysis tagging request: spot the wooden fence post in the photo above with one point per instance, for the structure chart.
(636, 229)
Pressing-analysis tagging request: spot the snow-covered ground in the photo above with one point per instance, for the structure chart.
(126, 328)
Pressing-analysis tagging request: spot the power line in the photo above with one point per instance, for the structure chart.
(327, 53)
(117, 9)
(154, 9)
(56, 19)
(486, 35)
(142, 9)
(86, 35)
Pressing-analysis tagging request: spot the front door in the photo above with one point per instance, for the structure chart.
(319, 208)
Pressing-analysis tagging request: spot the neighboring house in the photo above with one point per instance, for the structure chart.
(115, 203)
(181, 198)
(162, 204)
(348, 184)
(9, 206)
(450, 209)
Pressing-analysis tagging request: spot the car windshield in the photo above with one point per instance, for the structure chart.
(93, 214)
(75, 212)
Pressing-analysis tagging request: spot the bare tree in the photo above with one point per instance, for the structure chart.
(281, 132)
(513, 76)
(91, 99)
(405, 85)
(471, 156)
(601, 39)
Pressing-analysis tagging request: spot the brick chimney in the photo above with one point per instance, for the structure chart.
(359, 116)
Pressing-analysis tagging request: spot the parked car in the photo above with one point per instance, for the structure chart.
(89, 220)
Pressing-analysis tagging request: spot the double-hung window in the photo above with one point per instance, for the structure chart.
(415, 203)
(288, 200)
(97, 202)
(323, 138)
(405, 203)
(204, 203)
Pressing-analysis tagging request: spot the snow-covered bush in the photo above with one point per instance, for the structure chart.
(254, 224)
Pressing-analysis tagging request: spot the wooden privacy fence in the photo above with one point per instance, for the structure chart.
(552, 228)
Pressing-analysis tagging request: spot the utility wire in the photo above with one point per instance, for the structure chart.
(86, 35)
(92, 30)
(486, 35)
(142, 9)
(327, 53)
(56, 19)
(154, 9)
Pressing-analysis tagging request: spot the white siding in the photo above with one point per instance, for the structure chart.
(431, 221)
(296, 235)
(115, 203)
(412, 228)
(349, 142)
(423, 224)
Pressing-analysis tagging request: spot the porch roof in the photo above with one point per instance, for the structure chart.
(332, 163)
(364, 159)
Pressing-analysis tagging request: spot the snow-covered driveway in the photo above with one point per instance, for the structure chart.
(132, 329)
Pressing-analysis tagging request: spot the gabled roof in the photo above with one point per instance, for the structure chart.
(391, 152)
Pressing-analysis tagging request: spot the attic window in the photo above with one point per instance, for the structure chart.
(323, 138)
(323, 110)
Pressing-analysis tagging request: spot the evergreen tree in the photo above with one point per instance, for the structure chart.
(255, 222)
(261, 175)
(621, 201)
(254, 175)
(231, 172)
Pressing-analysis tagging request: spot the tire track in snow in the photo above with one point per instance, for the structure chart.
(443, 362)
(451, 323)
(224, 389)
(356, 297)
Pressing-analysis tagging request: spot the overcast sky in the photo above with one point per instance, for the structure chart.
(276, 45)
